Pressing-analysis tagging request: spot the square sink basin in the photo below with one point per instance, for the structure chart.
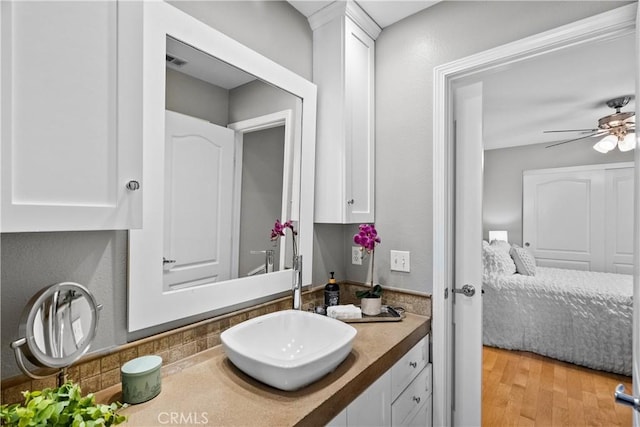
(288, 349)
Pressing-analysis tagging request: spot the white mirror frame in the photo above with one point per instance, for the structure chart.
(148, 303)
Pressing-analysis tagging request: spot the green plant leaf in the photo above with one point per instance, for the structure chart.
(61, 407)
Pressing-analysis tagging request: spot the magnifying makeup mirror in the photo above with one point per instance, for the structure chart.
(57, 327)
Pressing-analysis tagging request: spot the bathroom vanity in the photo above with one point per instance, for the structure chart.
(209, 387)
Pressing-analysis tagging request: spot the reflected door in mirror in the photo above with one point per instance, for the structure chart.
(198, 201)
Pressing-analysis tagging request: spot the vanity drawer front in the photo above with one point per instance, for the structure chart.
(406, 369)
(413, 401)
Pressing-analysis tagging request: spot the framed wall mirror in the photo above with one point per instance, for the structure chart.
(229, 144)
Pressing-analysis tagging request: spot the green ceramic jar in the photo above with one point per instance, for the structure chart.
(141, 379)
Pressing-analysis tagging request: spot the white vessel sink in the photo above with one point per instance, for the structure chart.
(288, 349)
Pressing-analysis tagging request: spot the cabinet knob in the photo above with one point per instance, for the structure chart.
(133, 185)
(416, 399)
(413, 364)
(350, 201)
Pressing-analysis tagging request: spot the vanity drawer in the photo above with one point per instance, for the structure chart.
(414, 403)
(406, 369)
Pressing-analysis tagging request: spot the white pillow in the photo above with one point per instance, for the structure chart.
(524, 261)
(501, 244)
(497, 261)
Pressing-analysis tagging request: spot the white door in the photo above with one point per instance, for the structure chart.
(465, 406)
(467, 308)
(636, 246)
(198, 201)
(562, 217)
(619, 220)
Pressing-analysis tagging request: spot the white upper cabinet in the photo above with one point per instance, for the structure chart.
(71, 115)
(343, 69)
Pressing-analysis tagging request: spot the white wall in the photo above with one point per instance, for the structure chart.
(406, 53)
(502, 198)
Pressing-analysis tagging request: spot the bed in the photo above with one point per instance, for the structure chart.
(581, 317)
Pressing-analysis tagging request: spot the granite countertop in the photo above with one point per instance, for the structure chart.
(206, 389)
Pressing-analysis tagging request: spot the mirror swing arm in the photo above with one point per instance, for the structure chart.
(15, 345)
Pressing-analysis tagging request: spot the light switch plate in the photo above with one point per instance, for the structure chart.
(400, 261)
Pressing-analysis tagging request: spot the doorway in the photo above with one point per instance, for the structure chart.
(600, 27)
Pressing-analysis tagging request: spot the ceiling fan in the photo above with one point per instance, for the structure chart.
(617, 129)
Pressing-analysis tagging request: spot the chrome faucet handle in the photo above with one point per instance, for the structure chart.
(297, 282)
(268, 259)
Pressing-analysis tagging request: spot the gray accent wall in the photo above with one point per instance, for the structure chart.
(196, 98)
(33, 261)
(502, 192)
(406, 54)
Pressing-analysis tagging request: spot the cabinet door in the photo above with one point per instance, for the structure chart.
(410, 408)
(68, 149)
(340, 420)
(359, 132)
(373, 406)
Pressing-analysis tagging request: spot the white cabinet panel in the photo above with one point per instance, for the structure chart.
(410, 408)
(344, 60)
(69, 144)
(406, 369)
(402, 396)
(373, 406)
(340, 420)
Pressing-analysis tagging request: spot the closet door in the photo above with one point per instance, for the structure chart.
(619, 220)
(563, 217)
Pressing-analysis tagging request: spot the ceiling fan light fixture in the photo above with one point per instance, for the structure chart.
(628, 143)
(606, 144)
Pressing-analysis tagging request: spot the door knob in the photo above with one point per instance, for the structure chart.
(466, 290)
(626, 399)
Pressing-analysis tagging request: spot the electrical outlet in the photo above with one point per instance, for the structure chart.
(356, 255)
(401, 261)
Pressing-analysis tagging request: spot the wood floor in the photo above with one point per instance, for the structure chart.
(524, 389)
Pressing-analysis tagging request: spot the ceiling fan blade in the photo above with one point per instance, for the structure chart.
(571, 130)
(576, 139)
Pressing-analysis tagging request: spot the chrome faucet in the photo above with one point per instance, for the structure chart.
(268, 259)
(297, 282)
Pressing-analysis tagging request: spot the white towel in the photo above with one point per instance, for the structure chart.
(348, 311)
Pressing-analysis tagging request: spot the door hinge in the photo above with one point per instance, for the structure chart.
(446, 293)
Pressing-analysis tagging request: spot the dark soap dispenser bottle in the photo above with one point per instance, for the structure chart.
(332, 292)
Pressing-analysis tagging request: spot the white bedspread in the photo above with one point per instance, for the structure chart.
(580, 317)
